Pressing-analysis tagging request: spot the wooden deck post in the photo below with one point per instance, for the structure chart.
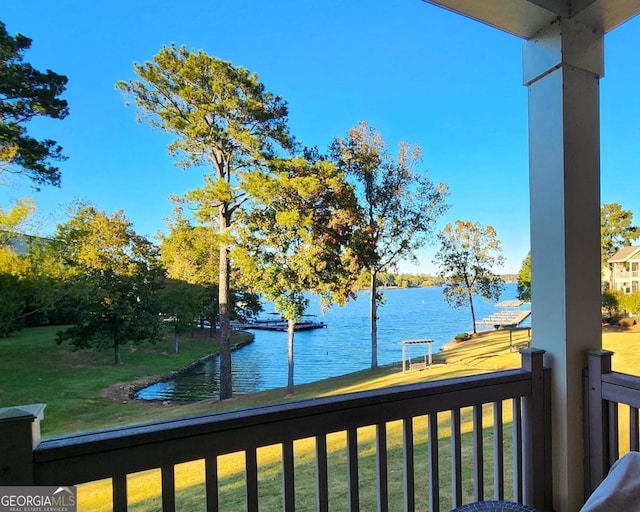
(535, 431)
(19, 435)
(597, 426)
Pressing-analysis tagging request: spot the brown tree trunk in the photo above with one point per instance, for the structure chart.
(290, 332)
(116, 352)
(226, 389)
(473, 312)
(374, 319)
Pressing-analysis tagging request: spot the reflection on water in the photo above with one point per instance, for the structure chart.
(343, 347)
(202, 381)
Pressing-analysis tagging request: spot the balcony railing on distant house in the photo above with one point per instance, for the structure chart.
(626, 274)
(503, 453)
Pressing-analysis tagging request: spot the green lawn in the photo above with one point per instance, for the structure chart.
(84, 390)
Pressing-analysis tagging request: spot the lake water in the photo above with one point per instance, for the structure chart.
(343, 347)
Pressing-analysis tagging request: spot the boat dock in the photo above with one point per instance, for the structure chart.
(509, 315)
(277, 325)
(505, 318)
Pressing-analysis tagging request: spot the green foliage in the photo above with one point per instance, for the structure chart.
(12, 303)
(28, 289)
(245, 305)
(524, 280)
(462, 336)
(224, 119)
(115, 274)
(190, 252)
(467, 256)
(218, 112)
(616, 229)
(26, 93)
(13, 220)
(630, 302)
(399, 205)
(296, 237)
(180, 304)
(611, 301)
(616, 301)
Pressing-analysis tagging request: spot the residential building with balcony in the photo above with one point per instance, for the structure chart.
(624, 270)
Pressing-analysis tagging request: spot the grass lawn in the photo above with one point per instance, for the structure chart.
(74, 385)
(84, 390)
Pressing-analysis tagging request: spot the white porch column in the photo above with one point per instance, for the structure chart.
(562, 66)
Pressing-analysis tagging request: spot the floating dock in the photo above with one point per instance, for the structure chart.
(505, 318)
(277, 325)
(508, 315)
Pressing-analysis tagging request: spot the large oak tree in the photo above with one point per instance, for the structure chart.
(116, 275)
(223, 119)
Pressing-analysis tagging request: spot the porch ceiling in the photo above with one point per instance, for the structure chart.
(524, 18)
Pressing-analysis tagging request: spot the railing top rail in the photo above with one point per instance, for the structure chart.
(621, 388)
(622, 379)
(327, 414)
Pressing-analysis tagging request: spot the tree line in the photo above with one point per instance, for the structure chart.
(272, 217)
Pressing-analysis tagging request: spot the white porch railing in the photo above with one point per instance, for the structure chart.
(114, 454)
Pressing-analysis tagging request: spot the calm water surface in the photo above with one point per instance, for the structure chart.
(343, 347)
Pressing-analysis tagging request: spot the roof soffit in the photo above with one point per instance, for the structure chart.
(525, 18)
(605, 15)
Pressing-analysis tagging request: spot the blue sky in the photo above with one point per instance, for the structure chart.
(414, 72)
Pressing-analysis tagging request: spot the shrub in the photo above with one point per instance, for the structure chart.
(630, 303)
(611, 301)
(462, 336)
(626, 322)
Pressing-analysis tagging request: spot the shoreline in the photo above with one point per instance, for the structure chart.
(130, 390)
(127, 392)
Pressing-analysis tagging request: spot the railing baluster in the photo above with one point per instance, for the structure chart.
(614, 433)
(517, 450)
(498, 452)
(211, 483)
(434, 468)
(409, 472)
(251, 472)
(168, 488)
(381, 463)
(119, 483)
(634, 444)
(352, 469)
(456, 459)
(288, 477)
(322, 485)
(478, 462)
